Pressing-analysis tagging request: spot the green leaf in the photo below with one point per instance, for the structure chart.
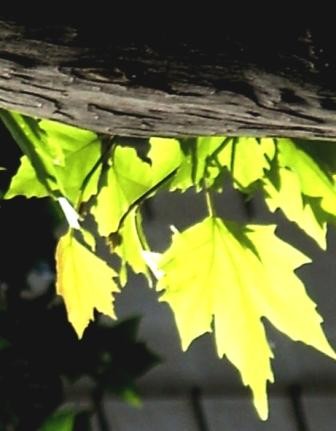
(59, 161)
(130, 179)
(247, 159)
(199, 166)
(234, 276)
(76, 153)
(60, 421)
(301, 189)
(323, 152)
(131, 247)
(314, 182)
(62, 139)
(26, 182)
(26, 134)
(84, 281)
(285, 193)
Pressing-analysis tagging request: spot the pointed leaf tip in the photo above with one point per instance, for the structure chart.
(84, 281)
(233, 276)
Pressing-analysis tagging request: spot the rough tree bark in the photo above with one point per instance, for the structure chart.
(254, 84)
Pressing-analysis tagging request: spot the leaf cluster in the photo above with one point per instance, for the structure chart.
(217, 275)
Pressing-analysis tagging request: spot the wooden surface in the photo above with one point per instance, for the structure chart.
(172, 83)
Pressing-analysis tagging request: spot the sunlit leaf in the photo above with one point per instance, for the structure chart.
(286, 194)
(199, 165)
(59, 159)
(129, 178)
(216, 276)
(84, 281)
(234, 276)
(130, 247)
(62, 139)
(74, 153)
(26, 134)
(26, 183)
(313, 180)
(246, 159)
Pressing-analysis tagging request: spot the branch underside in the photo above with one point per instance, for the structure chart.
(183, 89)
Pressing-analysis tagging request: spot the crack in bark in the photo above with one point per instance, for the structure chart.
(171, 88)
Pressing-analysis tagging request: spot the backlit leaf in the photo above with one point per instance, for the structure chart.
(62, 139)
(26, 134)
(246, 160)
(84, 281)
(59, 160)
(130, 247)
(199, 165)
(233, 276)
(286, 194)
(313, 180)
(129, 178)
(26, 183)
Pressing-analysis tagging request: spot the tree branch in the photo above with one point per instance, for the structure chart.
(154, 86)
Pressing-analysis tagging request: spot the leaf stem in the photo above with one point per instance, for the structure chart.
(209, 202)
(100, 161)
(144, 196)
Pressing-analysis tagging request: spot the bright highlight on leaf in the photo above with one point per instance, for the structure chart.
(233, 277)
(84, 281)
(70, 213)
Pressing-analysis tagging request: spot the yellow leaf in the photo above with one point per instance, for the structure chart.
(237, 156)
(233, 276)
(84, 281)
(130, 178)
(131, 248)
(287, 195)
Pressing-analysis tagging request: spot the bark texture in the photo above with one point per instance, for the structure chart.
(257, 85)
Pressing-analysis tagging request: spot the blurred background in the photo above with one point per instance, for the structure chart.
(131, 374)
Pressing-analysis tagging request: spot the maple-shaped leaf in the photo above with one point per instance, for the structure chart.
(129, 179)
(285, 192)
(130, 246)
(219, 272)
(84, 281)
